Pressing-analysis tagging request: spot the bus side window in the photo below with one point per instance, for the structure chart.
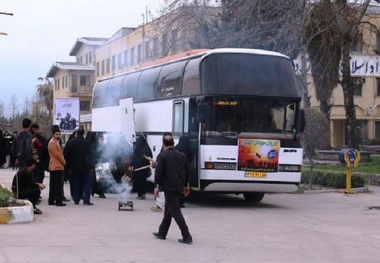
(148, 83)
(170, 79)
(191, 81)
(129, 86)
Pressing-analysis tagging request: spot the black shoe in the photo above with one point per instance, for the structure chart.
(51, 203)
(88, 203)
(186, 240)
(37, 211)
(62, 204)
(156, 234)
(76, 202)
(64, 199)
(102, 196)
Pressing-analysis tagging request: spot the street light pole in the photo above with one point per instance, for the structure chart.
(6, 14)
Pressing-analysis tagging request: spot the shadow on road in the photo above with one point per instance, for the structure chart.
(227, 201)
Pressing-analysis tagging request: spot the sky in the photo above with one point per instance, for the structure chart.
(41, 32)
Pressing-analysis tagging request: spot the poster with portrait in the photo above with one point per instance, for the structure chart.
(258, 155)
(67, 114)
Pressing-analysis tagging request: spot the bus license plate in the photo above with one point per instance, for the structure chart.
(255, 174)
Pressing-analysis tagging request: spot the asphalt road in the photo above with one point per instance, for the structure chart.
(324, 227)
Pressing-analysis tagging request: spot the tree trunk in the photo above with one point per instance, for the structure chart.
(311, 172)
(305, 91)
(348, 95)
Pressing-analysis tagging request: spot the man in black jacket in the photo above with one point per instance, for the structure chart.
(23, 186)
(78, 160)
(172, 177)
(22, 145)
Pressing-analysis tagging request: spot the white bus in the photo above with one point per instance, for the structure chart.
(239, 107)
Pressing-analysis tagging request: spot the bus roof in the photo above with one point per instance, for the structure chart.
(199, 52)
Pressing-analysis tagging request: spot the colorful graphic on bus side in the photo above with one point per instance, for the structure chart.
(258, 155)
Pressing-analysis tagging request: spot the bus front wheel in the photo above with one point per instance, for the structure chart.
(253, 197)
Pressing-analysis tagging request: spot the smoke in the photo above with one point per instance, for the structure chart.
(114, 157)
(107, 181)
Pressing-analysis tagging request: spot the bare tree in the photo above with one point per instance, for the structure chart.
(315, 136)
(13, 107)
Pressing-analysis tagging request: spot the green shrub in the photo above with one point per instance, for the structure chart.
(336, 180)
(5, 194)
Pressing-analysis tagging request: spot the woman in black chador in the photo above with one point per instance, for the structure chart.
(141, 166)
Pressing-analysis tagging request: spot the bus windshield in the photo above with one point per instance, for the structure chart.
(248, 74)
(230, 117)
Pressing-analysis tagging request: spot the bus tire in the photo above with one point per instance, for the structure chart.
(253, 197)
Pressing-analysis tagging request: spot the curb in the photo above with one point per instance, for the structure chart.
(355, 190)
(17, 214)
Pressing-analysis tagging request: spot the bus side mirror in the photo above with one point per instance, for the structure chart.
(303, 121)
(203, 113)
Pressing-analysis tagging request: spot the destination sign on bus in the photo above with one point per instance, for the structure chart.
(225, 103)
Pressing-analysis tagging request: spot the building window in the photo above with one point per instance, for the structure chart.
(84, 80)
(90, 57)
(139, 53)
(97, 69)
(155, 47)
(126, 58)
(377, 86)
(65, 81)
(57, 84)
(377, 129)
(119, 61)
(86, 58)
(174, 41)
(81, 59)
(132, 58)
(147, 49)
(108, 62)
(358, 85)
(102, 67)
(357, 43)
(164, 44)
(74, 83)
(113, 63)
(84, 105)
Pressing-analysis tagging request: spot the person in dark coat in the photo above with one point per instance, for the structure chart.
(141, 166)
(22, 145)
(184, 146)
(12, 159)
(118, 151)
(172, 177)
(23, 186)
(95, 187)
(79, 162)
(3, 159)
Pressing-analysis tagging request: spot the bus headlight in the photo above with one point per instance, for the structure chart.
(220, 166)
(289, 168)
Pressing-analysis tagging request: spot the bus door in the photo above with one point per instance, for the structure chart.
(127, 119)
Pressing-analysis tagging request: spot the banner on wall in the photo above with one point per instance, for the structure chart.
(67, 114)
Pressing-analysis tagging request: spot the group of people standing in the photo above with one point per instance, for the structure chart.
(80, 156)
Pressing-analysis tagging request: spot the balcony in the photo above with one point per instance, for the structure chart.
(80, 91)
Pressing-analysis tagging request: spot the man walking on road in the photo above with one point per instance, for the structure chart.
(172, 177)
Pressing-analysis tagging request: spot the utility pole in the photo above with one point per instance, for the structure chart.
(6, 14)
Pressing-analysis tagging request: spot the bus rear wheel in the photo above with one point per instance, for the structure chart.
(253, 197)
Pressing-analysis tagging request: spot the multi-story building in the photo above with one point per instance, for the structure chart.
(365, 71)
(77, 79)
